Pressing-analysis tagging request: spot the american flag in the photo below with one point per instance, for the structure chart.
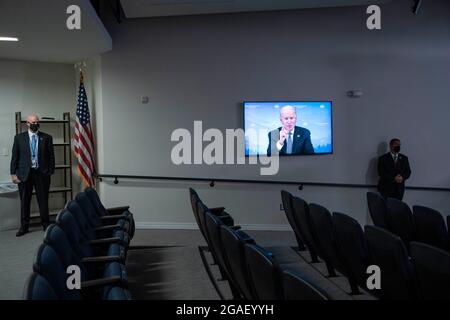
(83, 138)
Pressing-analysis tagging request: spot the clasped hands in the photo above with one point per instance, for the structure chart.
(398, 178)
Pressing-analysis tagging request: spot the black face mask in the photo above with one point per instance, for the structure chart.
(396, 149)
(34, 127)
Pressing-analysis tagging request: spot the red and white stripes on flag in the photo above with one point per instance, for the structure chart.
(83, 139)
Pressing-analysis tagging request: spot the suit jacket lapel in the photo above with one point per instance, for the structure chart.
(26, 142)
(40, 145)
(26, 139)
(296, 139)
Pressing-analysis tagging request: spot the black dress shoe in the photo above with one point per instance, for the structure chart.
(21, 232)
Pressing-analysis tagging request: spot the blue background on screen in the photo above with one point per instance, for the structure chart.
(265, 117)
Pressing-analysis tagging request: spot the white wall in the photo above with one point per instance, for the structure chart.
(46, 89)
(203, 67)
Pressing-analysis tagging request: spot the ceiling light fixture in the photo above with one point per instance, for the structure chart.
(9, 39)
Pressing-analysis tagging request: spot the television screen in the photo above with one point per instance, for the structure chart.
(288, 127)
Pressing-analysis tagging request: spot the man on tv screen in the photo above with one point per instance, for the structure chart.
(289, 139)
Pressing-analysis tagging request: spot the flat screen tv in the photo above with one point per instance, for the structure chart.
(289, 128)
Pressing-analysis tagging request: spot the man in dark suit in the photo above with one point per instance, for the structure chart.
(32, 164)
(289, 139)
(393, 170)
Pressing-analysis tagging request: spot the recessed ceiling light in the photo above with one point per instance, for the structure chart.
(9, 39)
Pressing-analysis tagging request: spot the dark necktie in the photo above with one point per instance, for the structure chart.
(289, 144)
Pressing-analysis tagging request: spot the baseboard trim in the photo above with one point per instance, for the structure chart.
(193, 226)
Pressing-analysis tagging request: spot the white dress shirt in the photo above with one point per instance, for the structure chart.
(31, 134)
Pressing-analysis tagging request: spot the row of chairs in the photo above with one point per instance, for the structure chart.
(254, 272)
(423, 272)
(420, 224)
(88, 243)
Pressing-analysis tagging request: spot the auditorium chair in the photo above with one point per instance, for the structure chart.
(400, 220)
(432, 267)
(430, 227)
(213, 229)
(224, 217)
(378, 210)
(233, 242)
(38, 288)
(218, 212)
(286, 199)
(92, 233)
(199, 209)
(194, 198)
(352, 250)
(86, 247)
(111, 214)
(264, 273)
(116, 293)
(322, 226)
(303, 222)
(91, 267)
(48, 264)
(388, 252)
(101, 226)
(297, 288)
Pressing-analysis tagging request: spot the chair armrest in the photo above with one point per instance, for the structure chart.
(114, 217)
(108, 227)
(245, 237)
(235, 227)
(226, 220)
(105, 241)
(100, 259)
(100, 282)
(117, 210)
(216, 210)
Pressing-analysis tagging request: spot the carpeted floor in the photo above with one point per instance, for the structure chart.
(16, 260)
(173, 261)
(169, 273)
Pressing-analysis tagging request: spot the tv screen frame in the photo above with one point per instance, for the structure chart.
(288, 102)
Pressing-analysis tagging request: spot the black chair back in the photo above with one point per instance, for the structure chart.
(194, 198)
(263, 272)
(430, 227)
(213, 230)
(38, 288)
(432, 267)
(400, 220)
(303, 222)
(388, 251)
(233, 244)
(353, 252)
(297, 288)
(48, 264)
(322, 224)
(378, 210)
(286, 199)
